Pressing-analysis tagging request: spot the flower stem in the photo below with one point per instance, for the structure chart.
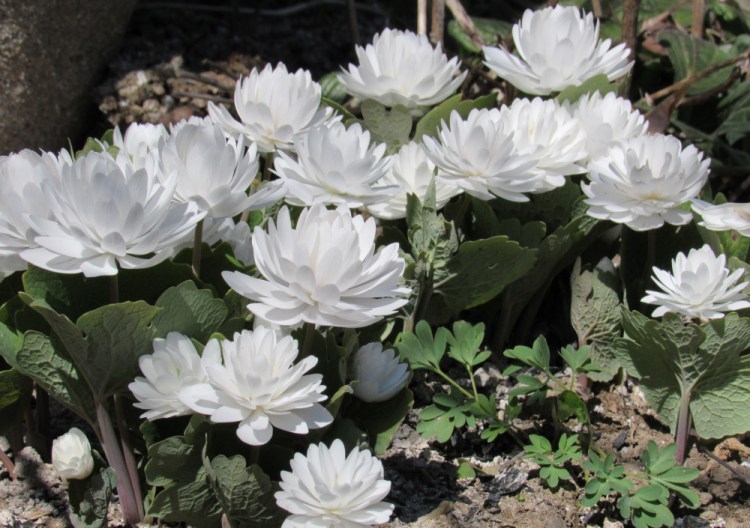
(114, 289)
(454, 384)
(128, 454)
(307, 343)
(197, 245)
(682, 435)
(128, 501)
(267, 167)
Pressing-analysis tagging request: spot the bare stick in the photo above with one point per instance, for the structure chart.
(281, 12)
(351, 8)
(437, 22)
(465, 22)
(197, 247)
(629, 36)
(724, 464)
(696, 26)
(5, 460)
(421, 17)
(214, 98)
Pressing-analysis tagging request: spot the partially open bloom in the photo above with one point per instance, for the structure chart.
(558, 47)
(550, 135)
(402, 68)
(606, 121)
(213, 172)
(377, 373)
(273, 106)
(412, 171)
(643, 181)
(724, 217)
(478, 155)
(71, 455)
(329, 489)
(139, 140)
(259, 386)
(103, 213)
(700, 286)
(335, 165)
(173, 367)
(325, 271)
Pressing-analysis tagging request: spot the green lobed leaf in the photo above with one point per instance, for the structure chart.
(420, 348)
(703, 363)
(598, 83)
(331, 89)
(90, 498)
(244, 492)
(381, 420)
(391, 127)
(491, 30)
(481, 269)
(190, 311)
(465, 343)
(189, 502)
(536, 356)
(594, 315)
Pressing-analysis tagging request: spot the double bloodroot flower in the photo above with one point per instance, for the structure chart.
(700, 286)
(324, 271)
(260, 386)
(643, 181)
(412, 172)
(551, 136)
(174, 366)
(478, 155)
(328, 488)
(402, 68)
(335, 165)
(558, 47)
(377, 373)
(104, 212)
(606, 121)
(214, 172)
(139, 140)
(273, 106)
(71, 455)
(724, 217)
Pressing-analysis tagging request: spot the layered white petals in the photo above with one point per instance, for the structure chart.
(478, 155)
(549, 134)
(324, 271)
(259, 385)
(607, 121)
(643, 181)
(412, 172)
(402, 68)
(328, 488)
(723, 217)
(104, 213)
(22, 176)
(174, 366)
(700, 286)
(558, 47)
(335, 165)
(273, 106)
(71, 455)
(377, 373)
(139, 140)
(213, 172)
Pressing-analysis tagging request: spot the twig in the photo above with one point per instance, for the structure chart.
(281, 12)
(465, 22)
(696, 25)
(195, 95)
(630, 37)
(438, 21)
(596, 7)
(184, 74)
(723, 463)
(221, 68)
(421, 17)
(709, 94)
(351, 7)
(687, 81)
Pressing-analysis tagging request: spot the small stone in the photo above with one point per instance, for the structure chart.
(506, 483)
(619, 441)
(609, 523)
(690, 521)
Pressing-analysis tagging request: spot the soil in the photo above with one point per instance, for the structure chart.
(171, 64)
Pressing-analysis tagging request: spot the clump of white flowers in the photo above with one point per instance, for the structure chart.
(259, 385)
(324, 271)
(273, 106)
(700, 286)
(71, 455)
(377, 373)
(139, 140)
(328, 488)
(558, 47)
(402, 68)
(643, 181)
